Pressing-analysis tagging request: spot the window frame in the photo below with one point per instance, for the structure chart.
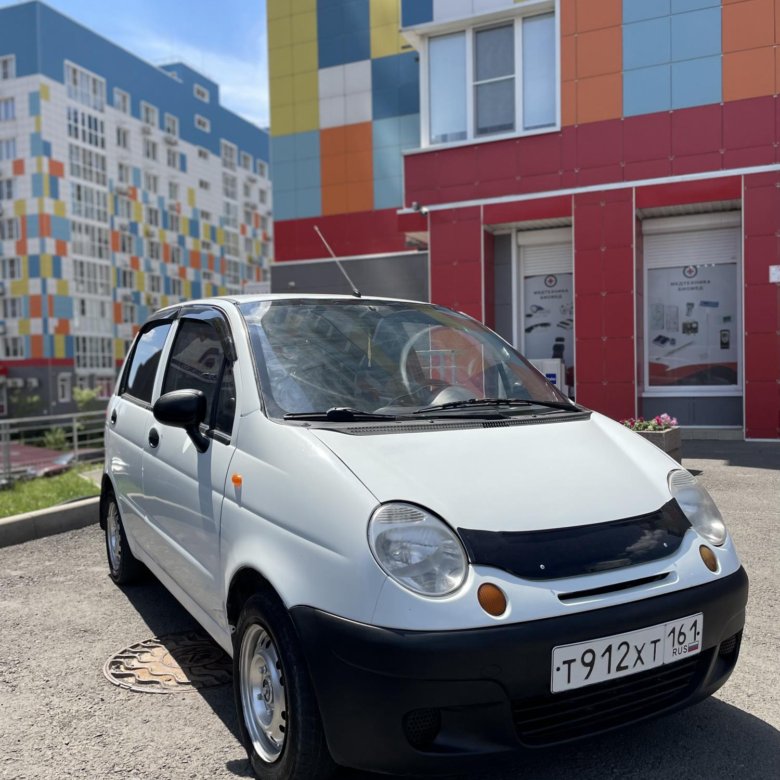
(150, 325)
(516, 16)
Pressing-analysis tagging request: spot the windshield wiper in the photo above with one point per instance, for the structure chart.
(340, 414)
(477, 402)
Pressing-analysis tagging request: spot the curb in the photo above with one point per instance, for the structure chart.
(46, 522)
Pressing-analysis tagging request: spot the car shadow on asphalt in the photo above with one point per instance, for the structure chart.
(711, 740)
(748, 454)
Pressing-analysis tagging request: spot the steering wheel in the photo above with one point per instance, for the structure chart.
(407, 348)
(426, 384)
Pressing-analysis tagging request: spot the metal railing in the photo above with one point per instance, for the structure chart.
(31, 444)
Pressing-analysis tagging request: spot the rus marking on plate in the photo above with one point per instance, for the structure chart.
(174, 663)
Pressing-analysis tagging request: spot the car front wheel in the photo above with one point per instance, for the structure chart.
(278, 717)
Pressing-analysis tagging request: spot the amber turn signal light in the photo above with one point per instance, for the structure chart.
(237, 480)
(492, 599)
(710, 561)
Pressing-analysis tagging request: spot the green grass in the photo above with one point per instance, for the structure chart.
(45, 492)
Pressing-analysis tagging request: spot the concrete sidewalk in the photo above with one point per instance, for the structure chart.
(725, 463)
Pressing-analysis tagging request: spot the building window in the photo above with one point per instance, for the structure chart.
(150, 149)
(153, 250)
(201, 93)
(171, 125)
(128, 313)
(154, 283)
(88, 203)
(11, 307)
(94, 352)
(124, 207)
(176, 287)
(86, 128)
(148, 114)
(85, 87)
(88, 165)
(176, 255)
(9, 229)
(6, 189)
(203, 184)
(93, 315)
(123, 173)
(7, 109)
(63, 388)
(13, 346)
(172, 158)
(262, 195)
(205, 215)
(203, 153)
(91, 278)
(229, 186)
(153, 216)
(126, 244)
(173, 190)
(7, 67)
(246, 161)
(693, 334)
(262, 169)
(10, 268)
(151, 182)
(228, 153)
(231, 214)
(123, 138)
(202, 123)
(7, 148)
(174, 220)
(491, 81)
(125, 277)
(231, 243)
(89, 240)
(121, 101)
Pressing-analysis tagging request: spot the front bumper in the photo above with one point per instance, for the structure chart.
(412, 701)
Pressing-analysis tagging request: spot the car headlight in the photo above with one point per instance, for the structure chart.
(417, 549)
(698, 506)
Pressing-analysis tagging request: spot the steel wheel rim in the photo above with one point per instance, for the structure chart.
(113, 537)
(263, 697)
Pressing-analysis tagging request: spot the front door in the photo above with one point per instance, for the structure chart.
(184, 489)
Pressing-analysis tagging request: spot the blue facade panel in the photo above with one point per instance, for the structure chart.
(637, 10)
(63, 307)
(696, 34)
(681, 6)
(646, 90)
(343, 32)
(696, 82)
(415, 12)
(18, 36)
(647, 43)
(395, 85)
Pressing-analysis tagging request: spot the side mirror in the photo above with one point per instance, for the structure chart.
(183, 409)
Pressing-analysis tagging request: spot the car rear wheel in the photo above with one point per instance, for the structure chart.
(123, 566)
(279, 721)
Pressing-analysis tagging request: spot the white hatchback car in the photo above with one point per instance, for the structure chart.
(418, 552)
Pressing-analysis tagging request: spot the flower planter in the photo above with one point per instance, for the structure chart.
(669, 441)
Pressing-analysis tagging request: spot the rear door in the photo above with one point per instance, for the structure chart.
(183, 488)
(129, 420)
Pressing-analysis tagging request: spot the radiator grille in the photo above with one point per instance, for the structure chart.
(566, 716)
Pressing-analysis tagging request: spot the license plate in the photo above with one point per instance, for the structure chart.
(598, 660)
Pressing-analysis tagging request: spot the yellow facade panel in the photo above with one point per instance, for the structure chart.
(24, 327)
(307, 116)
(281, 89)
(140, 280)
(386, 41)
(62, 287)
(185, 225)
(138, 212)
(38, 124)
(282, 120)
(384, 12)
(302, 6)
(191, 197)
(280, 61)
(59, 208)
(304, 58)
(45, 92)
(59, 345)
(304, 27)
(20, 286)
(20, 208)
(278, 9)
(46, 267)
(305, 87)
(280, 33)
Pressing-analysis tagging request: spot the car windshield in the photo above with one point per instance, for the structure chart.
(386, 358)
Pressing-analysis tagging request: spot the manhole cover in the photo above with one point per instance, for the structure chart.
(174, 663)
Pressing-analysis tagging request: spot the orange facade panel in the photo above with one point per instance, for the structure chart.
(749, 24)
(592, 15)
(600, 98)
(599, 52)
(36, 346)
(749, 73)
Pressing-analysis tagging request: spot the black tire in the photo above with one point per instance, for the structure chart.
(299, 749)
(123, 567)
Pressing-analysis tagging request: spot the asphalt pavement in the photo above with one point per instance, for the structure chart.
(62, 617)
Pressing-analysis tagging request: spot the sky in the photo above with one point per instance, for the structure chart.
(225, 40)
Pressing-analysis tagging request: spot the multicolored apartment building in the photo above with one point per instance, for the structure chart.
(123, 187)
(597, 181)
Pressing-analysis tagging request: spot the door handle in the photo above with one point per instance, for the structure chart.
(154, 437)
(113, 417)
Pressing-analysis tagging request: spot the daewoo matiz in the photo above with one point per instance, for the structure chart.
(417, 551)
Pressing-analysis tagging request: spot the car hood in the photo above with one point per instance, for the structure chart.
(553, 474)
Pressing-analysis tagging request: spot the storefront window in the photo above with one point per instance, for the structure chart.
(692, 325)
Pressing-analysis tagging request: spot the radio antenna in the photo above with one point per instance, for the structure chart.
(355, 290)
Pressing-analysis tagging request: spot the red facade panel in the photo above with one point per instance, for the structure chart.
(761, 207)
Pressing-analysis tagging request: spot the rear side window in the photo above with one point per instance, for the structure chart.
(139, 378)
(198, 362)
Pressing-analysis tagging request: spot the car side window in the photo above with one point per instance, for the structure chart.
(198, 362)
(139, 377)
